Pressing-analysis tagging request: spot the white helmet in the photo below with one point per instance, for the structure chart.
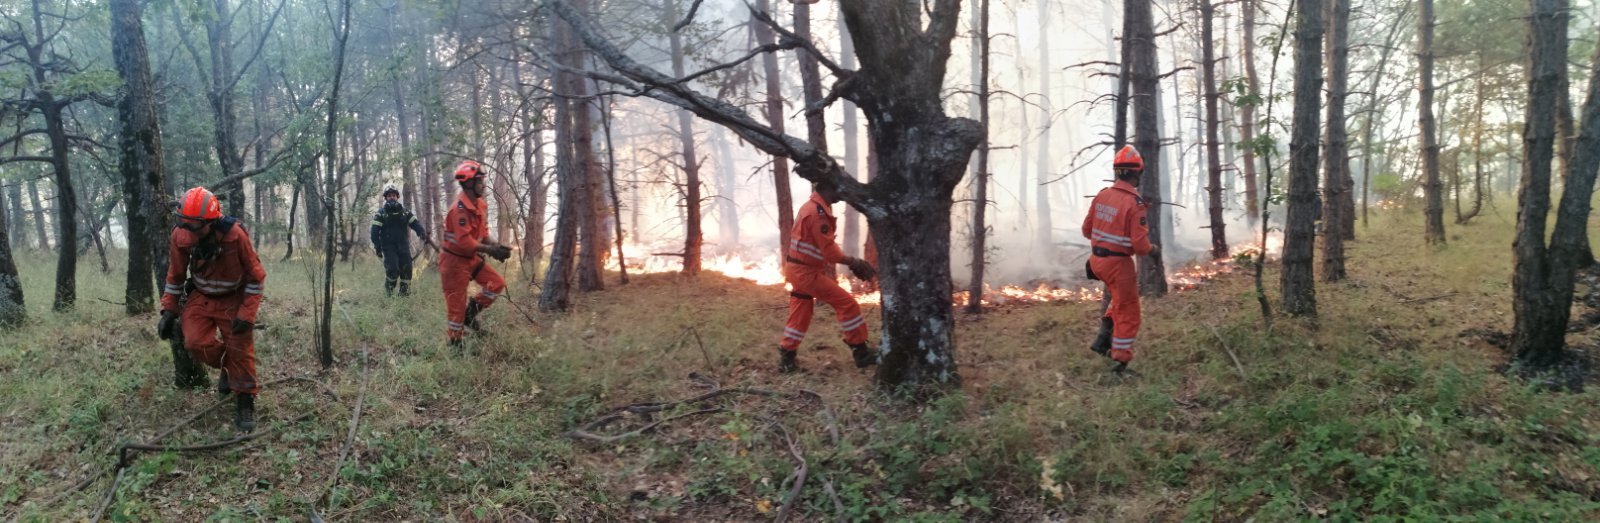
(390, 188)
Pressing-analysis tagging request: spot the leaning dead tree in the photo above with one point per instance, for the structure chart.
(921, 152)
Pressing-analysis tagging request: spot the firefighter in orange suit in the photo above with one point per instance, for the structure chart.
(1117, 231)
(212, 294)
(811, 254)
(466, 241)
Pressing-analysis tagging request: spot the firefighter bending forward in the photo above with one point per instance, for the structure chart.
(466, 240)
(212, 255)
(811, 253)
(1117, 231)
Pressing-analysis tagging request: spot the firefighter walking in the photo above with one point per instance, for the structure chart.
(1117, 231)
(213, 292)
(392, 241)
(807, 266)
(466, 242)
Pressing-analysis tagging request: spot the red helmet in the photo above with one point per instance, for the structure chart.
(199, 204)
(1128, 159)
(468, 170)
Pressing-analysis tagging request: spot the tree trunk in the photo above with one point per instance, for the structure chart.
(556, 293)
(13, 310)
(1477, 152)
(1044, 232)
(980, 172)
(66, 209)
(852, 145)
(325, 326)
(1541, 311)
(38, 215)
(1336, 162)
(1297, 280)
(140, 162)
(1247, 111)
(1432, 188)
(18, 216)
(1208, 68)
(693, 238)
(294, 206)
(775, 119)
(593, 245)
(1145, 78)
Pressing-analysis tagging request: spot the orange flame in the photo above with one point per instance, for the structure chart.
(768, 271)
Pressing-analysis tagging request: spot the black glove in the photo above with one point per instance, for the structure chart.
(168, 326)
(379, 251)
(861, 269)
(241, 326)
(500, 252)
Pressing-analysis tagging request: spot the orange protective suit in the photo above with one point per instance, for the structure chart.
(1116, 230)
(812, 253)
(464, 229)
(227, 277)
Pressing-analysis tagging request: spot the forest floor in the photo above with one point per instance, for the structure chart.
(1388, 405)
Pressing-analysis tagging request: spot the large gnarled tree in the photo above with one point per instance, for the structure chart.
(921, 152)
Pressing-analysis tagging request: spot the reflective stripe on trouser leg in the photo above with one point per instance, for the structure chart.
(454, 274)
(1122, 281)
(794, 332)
(817, 283)
(491, 285)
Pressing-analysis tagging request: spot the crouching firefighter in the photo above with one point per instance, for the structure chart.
(1117, 231)
(392, 241)
(212, 294)
(466, 242)
(807, 267)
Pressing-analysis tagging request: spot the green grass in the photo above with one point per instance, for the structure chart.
(1381, 409)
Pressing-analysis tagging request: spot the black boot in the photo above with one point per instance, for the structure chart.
(471, 321)
(388, 288)
(222, 383)
(787, 362)
(244, 415)
(187, 373)
(864, 356)
(405, 288)
(1102, 341)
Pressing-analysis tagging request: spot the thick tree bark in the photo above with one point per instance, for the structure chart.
(1145, 78)
(13, 310)
(140, 161)
(1247, 111)
(1297, 280)
(980, 172)
(556, 293)
(693, 237)
(1432, 187)
(1336, 161)
(1540, 273)
(775, 119)
(1208, 68)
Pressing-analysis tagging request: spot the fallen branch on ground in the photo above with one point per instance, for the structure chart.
(1231, 355)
